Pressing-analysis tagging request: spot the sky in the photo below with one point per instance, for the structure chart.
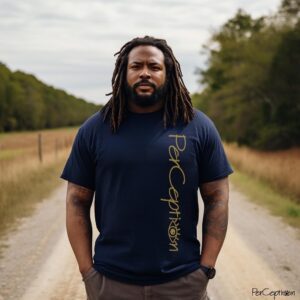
(70, 44)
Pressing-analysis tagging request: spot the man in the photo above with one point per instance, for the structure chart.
(144, 155)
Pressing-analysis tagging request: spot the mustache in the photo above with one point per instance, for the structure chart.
(145, 82)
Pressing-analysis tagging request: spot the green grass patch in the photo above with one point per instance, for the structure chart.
(263, 194)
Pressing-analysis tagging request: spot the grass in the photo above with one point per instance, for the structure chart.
(27, 142)
(10, 154)
(22, 194)
(24, 180)
(24, 132)
(265, 195)
(279, 169)
(19, 195)
(21, 148)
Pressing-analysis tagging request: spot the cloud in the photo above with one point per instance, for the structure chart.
(70, 44)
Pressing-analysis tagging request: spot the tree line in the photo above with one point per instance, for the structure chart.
(26, 103)
(251, 83)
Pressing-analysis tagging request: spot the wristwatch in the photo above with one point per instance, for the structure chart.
(210, 272)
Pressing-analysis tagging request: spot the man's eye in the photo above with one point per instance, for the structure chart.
(155, 68)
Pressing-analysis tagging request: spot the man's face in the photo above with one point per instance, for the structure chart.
(146, 76)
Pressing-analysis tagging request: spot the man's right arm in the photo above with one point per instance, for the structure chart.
(79, 226)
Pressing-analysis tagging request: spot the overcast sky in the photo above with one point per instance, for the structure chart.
(70, 44)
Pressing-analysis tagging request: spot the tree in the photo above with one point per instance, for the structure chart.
(251, 83)
(26, 103)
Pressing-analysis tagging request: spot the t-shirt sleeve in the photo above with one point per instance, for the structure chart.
(214, 164)
(80, 167)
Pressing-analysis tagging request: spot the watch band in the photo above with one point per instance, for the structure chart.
(210, 272)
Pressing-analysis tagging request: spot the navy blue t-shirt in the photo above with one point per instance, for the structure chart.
(145, 179)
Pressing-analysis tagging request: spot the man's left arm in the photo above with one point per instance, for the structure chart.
(215, 195)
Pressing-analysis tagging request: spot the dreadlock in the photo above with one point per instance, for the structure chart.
(177, 105)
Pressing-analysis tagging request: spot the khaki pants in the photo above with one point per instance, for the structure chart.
(188, 287)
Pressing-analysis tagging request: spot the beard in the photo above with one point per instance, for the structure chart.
(145, 100)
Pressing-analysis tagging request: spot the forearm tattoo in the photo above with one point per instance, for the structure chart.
(80, 199)
(215, 218)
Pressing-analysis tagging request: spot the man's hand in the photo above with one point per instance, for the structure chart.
(79, 226)
(215, 196)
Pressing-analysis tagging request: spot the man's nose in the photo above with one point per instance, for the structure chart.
(145, 73)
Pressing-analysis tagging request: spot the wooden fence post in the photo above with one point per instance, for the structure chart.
(56, 148)
(40, 150)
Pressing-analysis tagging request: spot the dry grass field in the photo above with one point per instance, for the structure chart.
(29, 172)
(281, 169)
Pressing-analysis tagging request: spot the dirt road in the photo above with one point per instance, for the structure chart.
(259, 252)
